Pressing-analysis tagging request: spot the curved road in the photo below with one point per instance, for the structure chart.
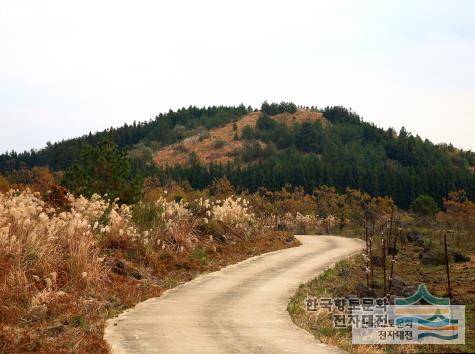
(239, 309)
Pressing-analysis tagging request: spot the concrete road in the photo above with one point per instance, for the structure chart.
(239, 309)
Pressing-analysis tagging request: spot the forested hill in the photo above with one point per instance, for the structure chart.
(164, 129)
(340, 150)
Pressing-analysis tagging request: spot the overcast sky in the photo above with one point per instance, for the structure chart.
(70, 67)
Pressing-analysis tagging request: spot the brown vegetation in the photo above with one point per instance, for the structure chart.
(66, 269)
(70, 262)
(220, 145)
(419, 259)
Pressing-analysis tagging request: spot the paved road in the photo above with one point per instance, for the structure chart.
(239, 309)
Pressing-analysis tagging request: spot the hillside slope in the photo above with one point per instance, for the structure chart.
(220, 145)
(310, 148)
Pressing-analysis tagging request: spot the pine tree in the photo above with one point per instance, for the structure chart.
(103, 169)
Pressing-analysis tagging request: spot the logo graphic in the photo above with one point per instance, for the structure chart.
(421, 318)
(437, 319)
(422, 294)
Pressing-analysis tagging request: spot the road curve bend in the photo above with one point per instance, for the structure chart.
(239, 309)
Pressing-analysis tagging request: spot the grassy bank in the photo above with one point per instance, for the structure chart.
(348, 277)
(65, 270)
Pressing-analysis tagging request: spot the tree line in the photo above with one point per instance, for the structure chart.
(347, 153)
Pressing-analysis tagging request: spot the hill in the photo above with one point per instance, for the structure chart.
(278, 145)
(164, 129)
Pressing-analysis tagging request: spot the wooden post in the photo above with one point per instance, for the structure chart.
(366, 233)
(384, 263)
(367, 252)
(400, 235)
(384, 227)
(391, 226)
(392, 264)
(371, 268)
(447, 266)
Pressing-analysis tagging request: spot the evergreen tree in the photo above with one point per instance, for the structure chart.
(103, 169)
(307, 138)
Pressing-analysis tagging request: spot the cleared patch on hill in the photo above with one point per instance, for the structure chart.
(220, 145)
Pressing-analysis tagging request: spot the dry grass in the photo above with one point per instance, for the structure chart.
(175, 154)
(320, 324)
(64, 272)
(300, 117)
(337, 283)
(223, 137)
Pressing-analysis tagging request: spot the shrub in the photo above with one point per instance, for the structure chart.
(247, 133)
(424, 205)
(213, 228)
(251, 152)
(266, 123)
(232, 211)
(147, 215)
(182, 148)
(433, 257)
(200, 254)
(179, 132)
(221, 187)
(176, 209)
(218, 144)
(141, 156)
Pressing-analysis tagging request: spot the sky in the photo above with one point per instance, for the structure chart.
(71, 67)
